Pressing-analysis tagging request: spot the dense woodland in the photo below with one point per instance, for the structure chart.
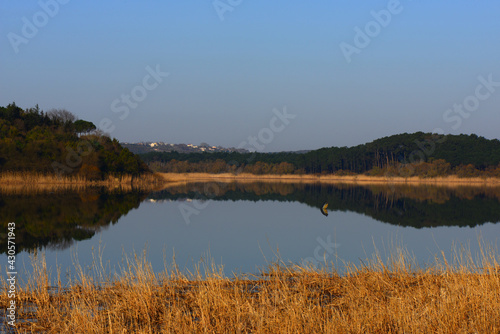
(50, 142)
(417, 154)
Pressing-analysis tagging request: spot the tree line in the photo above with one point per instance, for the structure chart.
(417, 154)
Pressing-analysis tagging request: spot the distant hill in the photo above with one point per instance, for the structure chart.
(416, 154)
(145, 147)
(57, 143)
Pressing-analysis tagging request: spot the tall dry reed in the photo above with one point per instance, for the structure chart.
(40, 181)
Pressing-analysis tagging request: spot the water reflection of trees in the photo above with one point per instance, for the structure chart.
(405, 205)
(56, 219)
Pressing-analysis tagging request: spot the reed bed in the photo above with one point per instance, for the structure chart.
(392, 296)
(29, 181)
(14, 178)
(345, 179)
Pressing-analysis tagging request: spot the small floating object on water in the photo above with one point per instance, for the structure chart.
(324, 210)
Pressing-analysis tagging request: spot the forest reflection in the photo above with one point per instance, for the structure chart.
(406, 205)
(55, 218)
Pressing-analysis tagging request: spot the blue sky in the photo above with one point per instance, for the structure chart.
(226, 76)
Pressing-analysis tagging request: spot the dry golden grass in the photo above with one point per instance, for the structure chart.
(347, 179)
(394, 297)
(13, 178)
(22, 182)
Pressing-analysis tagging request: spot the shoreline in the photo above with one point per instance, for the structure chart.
(158, 179)
(329, 179)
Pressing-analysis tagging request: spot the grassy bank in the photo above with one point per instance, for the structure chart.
(349, 179)
(390, 296)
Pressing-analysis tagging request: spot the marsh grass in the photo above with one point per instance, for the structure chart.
(29, 182)
(459, 295)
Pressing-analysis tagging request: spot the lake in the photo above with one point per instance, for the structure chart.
(245, 226)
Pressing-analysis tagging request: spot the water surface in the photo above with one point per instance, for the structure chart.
(244, 226)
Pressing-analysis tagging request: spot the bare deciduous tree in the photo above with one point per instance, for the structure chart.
(61, 115)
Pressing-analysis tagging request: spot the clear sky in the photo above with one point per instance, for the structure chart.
(349, 71)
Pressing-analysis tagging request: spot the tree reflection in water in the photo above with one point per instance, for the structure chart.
(54, 219)
(403, 205)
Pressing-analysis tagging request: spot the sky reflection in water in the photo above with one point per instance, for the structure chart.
(243, 227)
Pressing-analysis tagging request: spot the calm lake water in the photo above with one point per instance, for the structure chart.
(244, 226)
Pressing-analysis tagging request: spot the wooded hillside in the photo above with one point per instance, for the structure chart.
(422, 154)
(56, 142)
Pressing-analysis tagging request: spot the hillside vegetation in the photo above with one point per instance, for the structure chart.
(57, 143)
(417, 154)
